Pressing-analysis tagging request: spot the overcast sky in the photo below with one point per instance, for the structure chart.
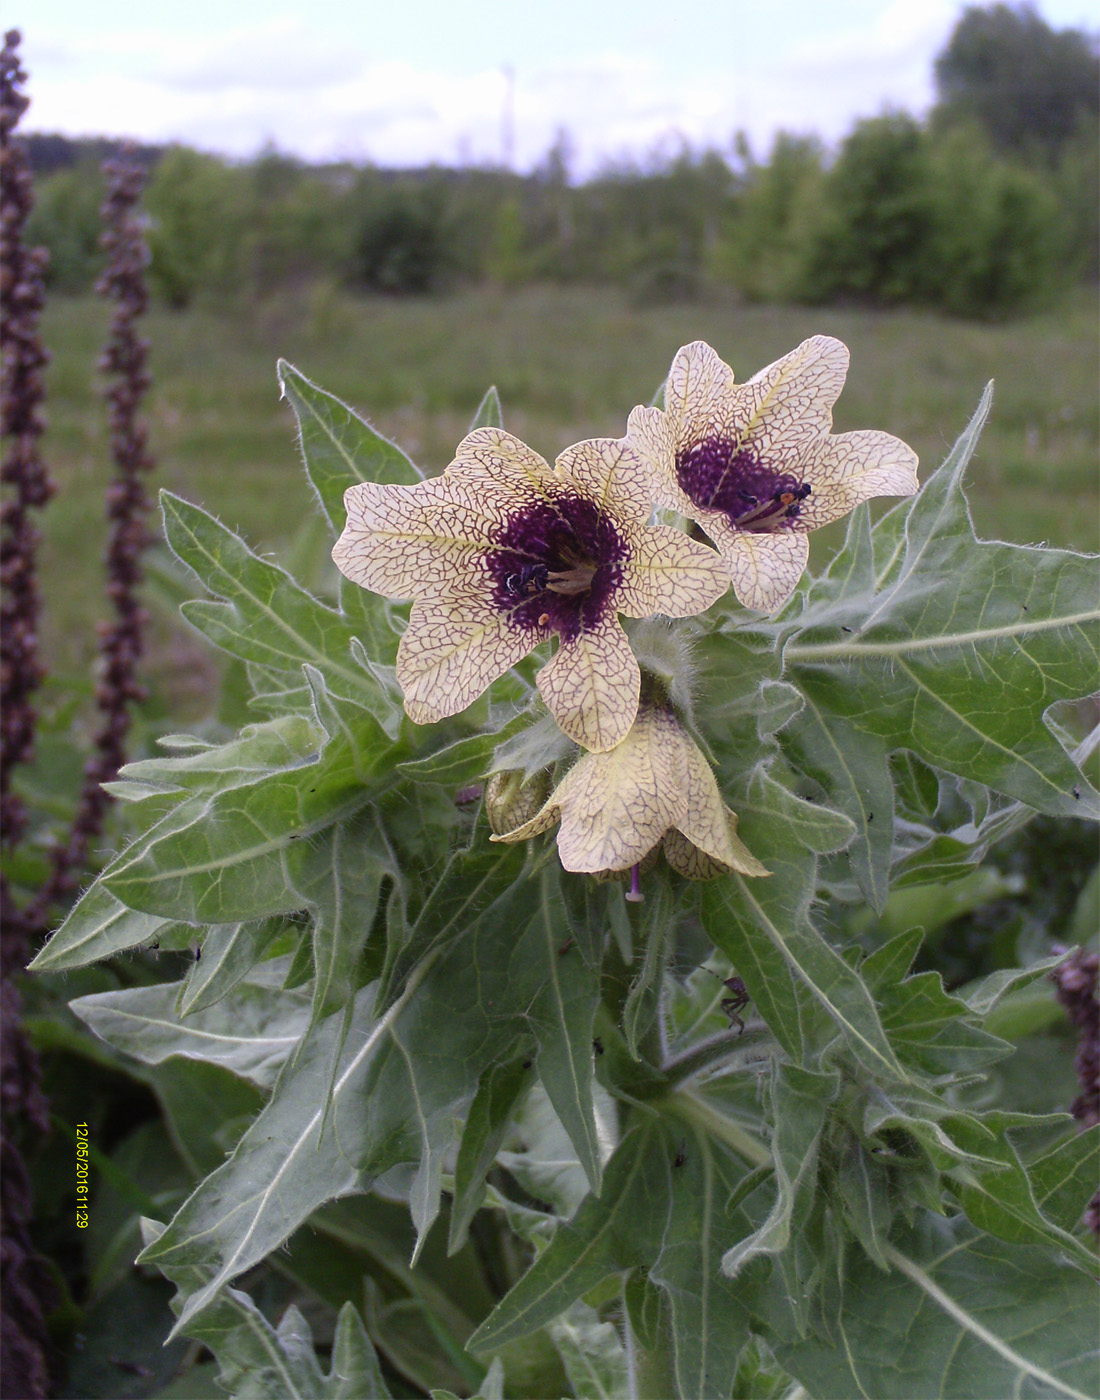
(402, 83)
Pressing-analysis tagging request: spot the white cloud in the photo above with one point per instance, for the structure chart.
(324, 94)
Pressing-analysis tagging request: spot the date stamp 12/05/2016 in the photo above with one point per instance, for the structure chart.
(82, 1176)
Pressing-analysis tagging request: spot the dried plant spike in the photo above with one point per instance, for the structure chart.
(124, 362)
(27, 1291)
(22, 296)
(1075, 981)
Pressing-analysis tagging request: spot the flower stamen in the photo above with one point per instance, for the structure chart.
(634, 894)
(770, 514)
(526, 582)
(571, 581)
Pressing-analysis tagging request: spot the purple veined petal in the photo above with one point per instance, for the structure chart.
(452, 651)
(591, 686)
(402, 540)
(698, 863)
(616, 806)
(852, 467)
(670, 575)
(613, 814)
(747, 442)
(650, 433)
(491, 459)
(698, 387)
(610, 473)
(787, 405)
(702, 813)
(764, 568)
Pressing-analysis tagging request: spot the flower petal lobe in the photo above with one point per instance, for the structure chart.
(591, 686)
(451, 651)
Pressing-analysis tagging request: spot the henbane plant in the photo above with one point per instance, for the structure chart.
(518, 1041)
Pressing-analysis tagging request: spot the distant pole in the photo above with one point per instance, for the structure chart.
(508, 118)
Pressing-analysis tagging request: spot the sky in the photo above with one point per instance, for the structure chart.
(406, 82)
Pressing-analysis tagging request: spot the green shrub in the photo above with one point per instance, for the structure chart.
(199, 209)
(877, 217)
(997, 247)
(65, 220)
(399, 243)
(765, 246)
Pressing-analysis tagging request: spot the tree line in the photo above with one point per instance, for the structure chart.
(987, 208)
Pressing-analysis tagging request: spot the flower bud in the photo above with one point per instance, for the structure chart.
(511, 800)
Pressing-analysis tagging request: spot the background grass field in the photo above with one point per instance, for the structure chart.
(568, 364)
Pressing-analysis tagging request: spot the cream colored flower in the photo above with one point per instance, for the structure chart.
(501, 553)
(653, 788)
(756, 465)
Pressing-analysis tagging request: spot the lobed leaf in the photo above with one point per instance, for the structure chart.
(960, 1316)
(232, 854)
(339, 448)
(488, 413)
(97, 926)
(564, 993)
(954, 647)
(592, 1354)
(792, 974)
(402, 1082)
(259, 1362)
(253, 1036)
(265, 618)
(229, 953)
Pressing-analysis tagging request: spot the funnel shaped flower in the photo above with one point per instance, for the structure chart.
(501, 553)
(756, 465)
(655, 787)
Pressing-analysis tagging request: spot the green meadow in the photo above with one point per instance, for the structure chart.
(568, 364)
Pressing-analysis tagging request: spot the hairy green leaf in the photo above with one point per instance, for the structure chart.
(800, 1100)
(229, 952)
(259, 1362)
(498, 1092)
(231, 855)
(339, 448)
(488, 413)
(591, 1352)
(959, 1317)
(265, 616)
(791, 972)
(97, 926)
(958, 648)
(564, 993)
(252, 1036)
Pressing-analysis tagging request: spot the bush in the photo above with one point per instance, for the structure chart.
(997, 247)
(399, 244)
(935, 219)
(199, 210)
(764, 251)
(65, 220)
(877, 217)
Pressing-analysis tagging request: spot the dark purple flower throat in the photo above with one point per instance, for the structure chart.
(719, 475)
(556, 565)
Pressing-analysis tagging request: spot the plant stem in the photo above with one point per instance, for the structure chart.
(696, 1110)
(713, 1051)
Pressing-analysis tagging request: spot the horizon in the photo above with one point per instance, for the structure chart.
(362, 85)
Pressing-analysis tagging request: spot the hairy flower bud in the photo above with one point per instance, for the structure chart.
(511, 799)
